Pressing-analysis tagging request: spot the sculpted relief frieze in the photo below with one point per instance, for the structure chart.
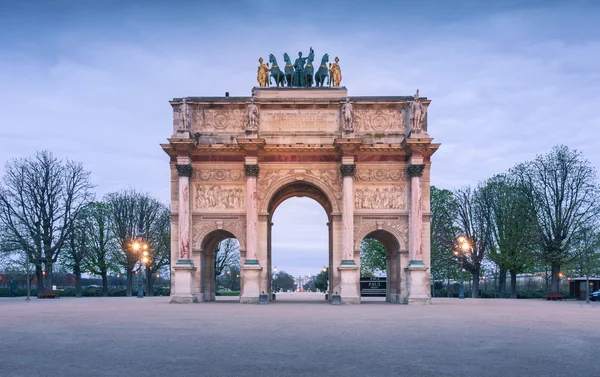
(218, 174)
(219, 197)
(378, 120)
(382, 175)
(380, 198)
(227, 120)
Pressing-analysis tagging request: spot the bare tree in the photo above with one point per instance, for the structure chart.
(227, 255)
(132, 213)
(562, 188)
(510, 219)
(40, 197)
(443, 233)
(75, 250)
(99, 258)
(159, 239)
(471, 221)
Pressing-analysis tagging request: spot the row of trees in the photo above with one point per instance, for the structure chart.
(48, 216)
(539, 215)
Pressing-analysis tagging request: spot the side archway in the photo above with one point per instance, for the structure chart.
(205, 244)
(394, 240)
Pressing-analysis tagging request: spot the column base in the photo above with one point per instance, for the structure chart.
(418, 284)
(184, 278)
(349, 285)
(252, 291)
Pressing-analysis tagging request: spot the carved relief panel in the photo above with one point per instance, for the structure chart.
(380, 198)
(218, 189)
(378, 188)
(379, 120)
(218, 120)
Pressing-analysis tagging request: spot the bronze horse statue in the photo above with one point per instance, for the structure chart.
(322, 72)
(289, 69)
(276, 72)
(309, 70)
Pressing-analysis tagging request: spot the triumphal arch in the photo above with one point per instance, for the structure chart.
(366, 160)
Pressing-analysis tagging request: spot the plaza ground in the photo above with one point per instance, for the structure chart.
(150, 337)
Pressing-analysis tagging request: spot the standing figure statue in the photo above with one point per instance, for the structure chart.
(299, 78)
(347, 116)
(252, 117)
(185, 116)
(335, 73)
(417, 114)
(322, 72)
(289, 69)
(263, 74)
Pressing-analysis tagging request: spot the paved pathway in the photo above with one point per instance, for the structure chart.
(150, 337)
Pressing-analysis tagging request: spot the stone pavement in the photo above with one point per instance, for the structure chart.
(150, 337)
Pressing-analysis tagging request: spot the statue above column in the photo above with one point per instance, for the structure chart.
(417, 115)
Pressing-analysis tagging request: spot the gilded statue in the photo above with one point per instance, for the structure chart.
(417, 114)
(263, 73)
(335, 73)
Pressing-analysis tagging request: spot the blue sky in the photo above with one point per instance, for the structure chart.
(91, 80)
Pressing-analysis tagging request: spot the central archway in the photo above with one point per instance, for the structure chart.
(291, 190)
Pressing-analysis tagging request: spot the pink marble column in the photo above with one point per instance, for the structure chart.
(185, 172)
(416, 214)
(251, 214)
(347, 171)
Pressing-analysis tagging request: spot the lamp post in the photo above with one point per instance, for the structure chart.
(140, 246)
(461, 248)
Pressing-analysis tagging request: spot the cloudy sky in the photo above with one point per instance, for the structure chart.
(91, 80)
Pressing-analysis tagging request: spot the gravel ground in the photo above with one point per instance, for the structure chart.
(150, 337)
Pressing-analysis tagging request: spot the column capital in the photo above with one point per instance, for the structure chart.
(415, 170)
(348, 170)
(251, 170)
(184, 170)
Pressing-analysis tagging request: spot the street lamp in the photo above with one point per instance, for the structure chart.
(461, 248)
(140, 246)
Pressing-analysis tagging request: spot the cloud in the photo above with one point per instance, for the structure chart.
(507, 82)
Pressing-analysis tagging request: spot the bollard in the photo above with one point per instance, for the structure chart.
(263, 299)
(336, 299)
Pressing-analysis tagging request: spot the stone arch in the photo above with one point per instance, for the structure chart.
(289, 180)
(202, 229)
(366, 228)
(204, 255)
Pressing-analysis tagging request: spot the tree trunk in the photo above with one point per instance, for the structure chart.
(77, 272)
(104, 283)
(475, 285)
(49, 275)
(513, 284)
(554, 284)
(502, 283)
(40, 278)
(149, 285)
(448, 287)
(587, 290)
(129, 283)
